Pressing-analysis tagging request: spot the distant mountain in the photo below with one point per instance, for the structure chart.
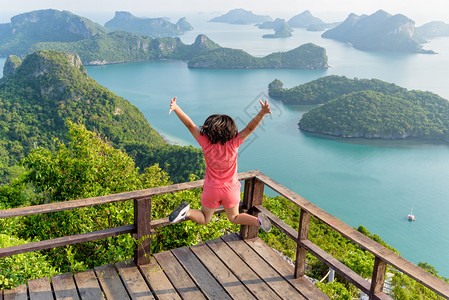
(241, 16)
(378, 32)
(307, 56)
(44, 26)
(304, 20)
(154, 27)
(433, 29)
(276, 24)
(281, 32)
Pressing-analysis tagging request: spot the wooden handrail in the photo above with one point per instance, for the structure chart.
(73, 204)
(253, 196)
(380, 252)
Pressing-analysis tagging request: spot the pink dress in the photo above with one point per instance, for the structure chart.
(221, 185)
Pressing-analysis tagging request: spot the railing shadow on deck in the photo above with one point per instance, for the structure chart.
(255, 181)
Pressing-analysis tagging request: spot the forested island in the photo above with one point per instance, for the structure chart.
(154, 27)
(362, 108)
(282, 31)
(378, 32)
(308, 56)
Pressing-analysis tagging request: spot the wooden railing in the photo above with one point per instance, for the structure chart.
(255, 182)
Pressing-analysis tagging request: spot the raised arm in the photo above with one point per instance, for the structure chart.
(252, 125)
(194, 130)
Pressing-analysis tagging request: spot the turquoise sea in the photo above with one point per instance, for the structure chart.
(372, 183)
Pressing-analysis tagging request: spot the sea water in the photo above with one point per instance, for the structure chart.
(372, 183)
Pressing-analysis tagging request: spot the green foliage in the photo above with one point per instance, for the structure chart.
(408, 289)
(14, 270)
(179, 162)
(335, 290)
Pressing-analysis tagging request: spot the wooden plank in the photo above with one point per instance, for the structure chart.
(378, 278)
(303, 285)
(67, 240)
(339, 267)
(88, 286)
(301, 252)
(254, 188)
(203, 279)
(158, 281)
(133, 280)
(221, 273)
(391, 258)
(65, 205)
(182, 282)
(17, 293)
(64, 287)
(241, 270)
(40, 289)
(142, 221)
(262, 268)
(110, 283)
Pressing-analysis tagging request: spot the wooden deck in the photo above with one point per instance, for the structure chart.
(224, 268)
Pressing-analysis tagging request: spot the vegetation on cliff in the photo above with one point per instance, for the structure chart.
(367, 108)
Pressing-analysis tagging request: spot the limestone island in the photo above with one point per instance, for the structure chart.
(282, 31)
(241, 17)
(379, 32)
(154, 27)
(363, 108)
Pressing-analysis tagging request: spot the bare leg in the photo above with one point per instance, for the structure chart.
(202, 216)
(243, 219)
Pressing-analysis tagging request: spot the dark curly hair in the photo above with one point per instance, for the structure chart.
(219, 128)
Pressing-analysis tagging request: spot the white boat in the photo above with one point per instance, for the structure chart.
(410, 216)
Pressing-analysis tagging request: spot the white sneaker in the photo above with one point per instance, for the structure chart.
(264, 222)
(179, 213)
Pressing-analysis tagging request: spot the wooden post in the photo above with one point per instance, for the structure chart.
(303, 234)
(378, 279)
(142, 221)
(252, 196)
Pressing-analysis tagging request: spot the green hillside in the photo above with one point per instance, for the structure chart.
(49, 88)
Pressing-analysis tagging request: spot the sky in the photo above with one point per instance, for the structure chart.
(421, 11)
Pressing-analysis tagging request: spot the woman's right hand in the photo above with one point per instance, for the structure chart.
(173, 105)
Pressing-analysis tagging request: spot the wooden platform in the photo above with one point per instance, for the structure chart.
(225, 268)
